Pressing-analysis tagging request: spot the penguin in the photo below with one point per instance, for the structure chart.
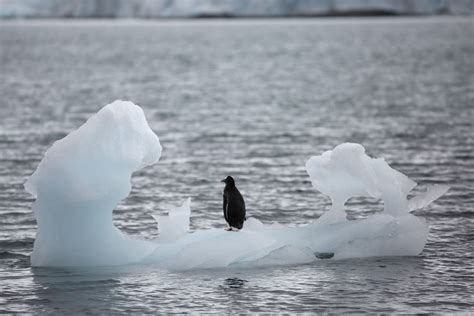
(234, 205)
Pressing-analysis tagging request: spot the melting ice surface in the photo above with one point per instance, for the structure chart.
(87, 173)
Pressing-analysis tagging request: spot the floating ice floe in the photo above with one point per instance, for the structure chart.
(87, 173)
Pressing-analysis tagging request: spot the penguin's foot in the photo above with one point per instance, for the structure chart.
(231, 229)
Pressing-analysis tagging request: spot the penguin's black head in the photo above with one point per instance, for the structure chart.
(229, 181)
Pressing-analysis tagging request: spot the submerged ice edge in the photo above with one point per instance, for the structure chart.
(84, 175)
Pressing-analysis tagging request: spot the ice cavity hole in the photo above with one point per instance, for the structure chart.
(360, 207)
(134, 214)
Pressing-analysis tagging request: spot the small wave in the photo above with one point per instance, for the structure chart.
(26, 243)
(447, 214)
(12, 255)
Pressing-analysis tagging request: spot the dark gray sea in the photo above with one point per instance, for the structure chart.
(253, 99)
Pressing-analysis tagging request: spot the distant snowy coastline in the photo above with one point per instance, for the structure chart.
(227, 8)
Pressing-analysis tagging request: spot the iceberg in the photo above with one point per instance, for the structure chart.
(83, 176)
(81, 179)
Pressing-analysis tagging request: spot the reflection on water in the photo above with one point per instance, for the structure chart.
(234, 283)
(360, 285)
(81, 290)
(311, 287)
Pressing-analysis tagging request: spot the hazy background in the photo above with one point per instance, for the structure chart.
(226, 8)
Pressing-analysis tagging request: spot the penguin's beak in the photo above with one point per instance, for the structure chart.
(223, 180)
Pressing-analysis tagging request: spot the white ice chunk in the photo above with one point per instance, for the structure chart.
(81, 179)
(176, 224)
(424, 199)
(346, 171)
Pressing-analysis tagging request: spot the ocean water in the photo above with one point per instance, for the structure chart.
(253, 99)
